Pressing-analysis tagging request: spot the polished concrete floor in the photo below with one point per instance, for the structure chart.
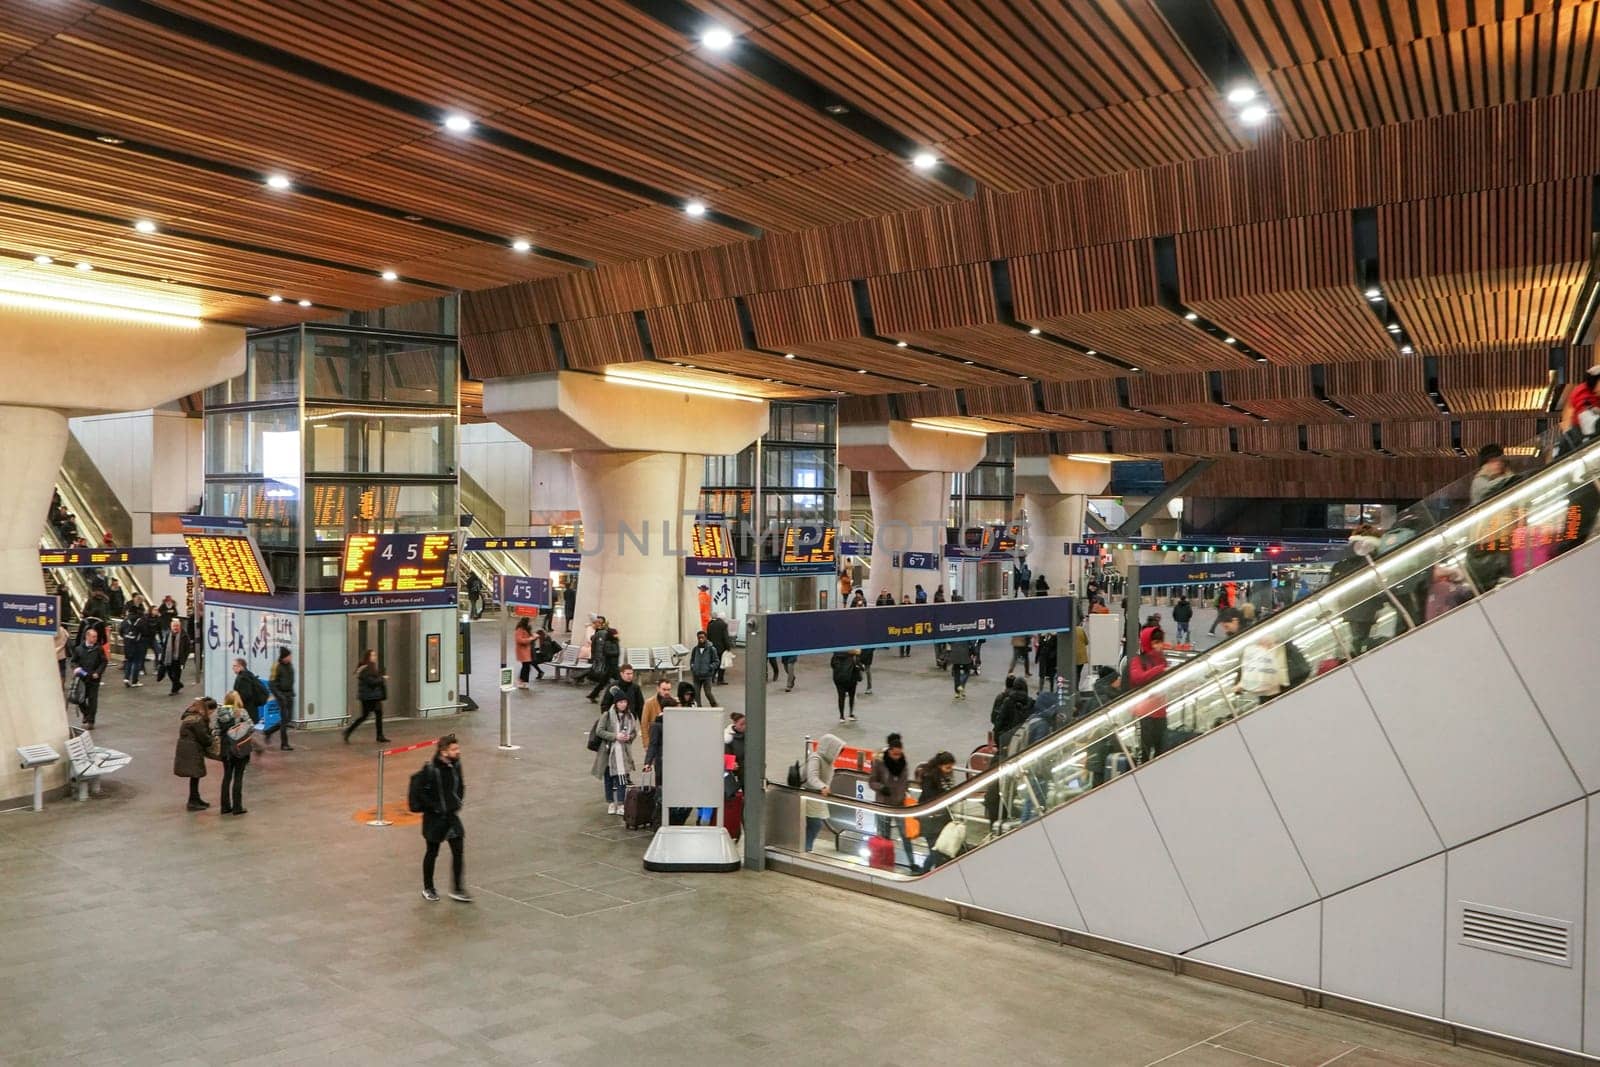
(133, 931)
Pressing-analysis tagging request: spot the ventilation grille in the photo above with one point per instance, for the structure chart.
(1516, 933)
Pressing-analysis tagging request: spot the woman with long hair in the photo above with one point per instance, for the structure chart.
(371, 689)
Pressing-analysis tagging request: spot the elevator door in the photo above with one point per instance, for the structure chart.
(394, 635)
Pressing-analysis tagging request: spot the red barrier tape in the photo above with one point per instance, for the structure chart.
(408, 748)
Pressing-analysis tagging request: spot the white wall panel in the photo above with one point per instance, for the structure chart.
(1287, 947)
(1337, 783)
(1591, 1002)
(1536, 867)
(1227, 840)
(120, 446)
(1019, 875)
(1121, 877)
(1464, 727)
(1534, 617)
(1383, 941)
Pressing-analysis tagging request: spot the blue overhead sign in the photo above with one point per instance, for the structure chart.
(524, 592)
(210, 522)
(28, 613)
(916, 561)
(106, 557)
(181, 565)
(1153, 574)
(792, 633)
(565, 562)
(518, 544)
(1078, 548)
(706, 567)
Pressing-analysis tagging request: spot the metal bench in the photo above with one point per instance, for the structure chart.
(638, 659)
(99, 750)
(88, 767)
(662, 660)
(36, 758)
(568, 661)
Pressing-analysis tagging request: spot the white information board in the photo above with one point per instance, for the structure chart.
(1105, 638)
(692, 760)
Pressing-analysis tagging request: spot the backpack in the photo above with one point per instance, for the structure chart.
(414, 792)
(240, 731)
(796, 779)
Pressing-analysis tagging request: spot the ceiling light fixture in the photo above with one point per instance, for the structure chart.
(685, 388)
(837, 109)
(1092, 352)
(967, 363)
(788, 355)
(145, 226)
(1406, 350)
(412, 218)
(1393, 327)
(900, 344)
(1228, 341)
(924, 161)
(43, 260)
(1253, 115)
(1190, 316)
(1374, 293)
(278, 181)
(109, 138)
(304, 303)
(275, 298)
(928, 424)
(41, 292)
(520, 245)
(83, 265)
(717, 38)
(457, 123)
(389, 276)
(1241, 94)
(1035, 331)
(1024, 377)
(695, 208)
(862, 371)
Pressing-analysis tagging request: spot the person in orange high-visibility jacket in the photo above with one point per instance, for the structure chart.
(705, 606)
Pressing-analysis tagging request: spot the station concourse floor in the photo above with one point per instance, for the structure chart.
(133, 931)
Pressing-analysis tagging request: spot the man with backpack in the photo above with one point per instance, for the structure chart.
(252, 692)
(436, 791)
(475, 595)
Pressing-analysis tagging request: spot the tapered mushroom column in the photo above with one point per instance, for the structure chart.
(638, 463)
(1055, 493)
(55, 365)
(908, 478)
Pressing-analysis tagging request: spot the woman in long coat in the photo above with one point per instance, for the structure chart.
(194, 742)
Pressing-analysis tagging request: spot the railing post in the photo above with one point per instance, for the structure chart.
(377, 816)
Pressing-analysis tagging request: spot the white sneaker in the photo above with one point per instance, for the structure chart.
(611, 809)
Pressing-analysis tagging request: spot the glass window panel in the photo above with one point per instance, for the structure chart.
(353, 367)
(248, 442)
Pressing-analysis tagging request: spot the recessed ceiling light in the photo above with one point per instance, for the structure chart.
(1191, 316)
(1253, 114)
(1092, 352)
(83, 265)
(717, 38)
(1374, 293)
(145, 226)
(1261, 359)
(412, 218)
(966, 363)
(899, 344)
(457, 123)
(519, 245)
(923, 384)
(924, 160)
(862, 371)
(389, 276)
(1024, 377)
(1228, 341)
(109, 138)
(1393, 327)
(1241, 94)
(278, 181)
(1133, 368)
(1406, 350)
(43, 260)
(689, 366)
(305, 303)
(837, 109)
(275, 298)
(788, 355)
(695, 208)
(1034, 330)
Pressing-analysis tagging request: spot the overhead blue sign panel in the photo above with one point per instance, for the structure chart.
(1153, 574)
(565, 562)
(916, 561)
(519, 544)
(702, 567)
(27, 613)
(793, 633)
(524, 592)
(1078, 548)
(107, 557)
(211, 522)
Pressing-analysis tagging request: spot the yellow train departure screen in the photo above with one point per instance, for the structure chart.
(396, 563)
(229, 563)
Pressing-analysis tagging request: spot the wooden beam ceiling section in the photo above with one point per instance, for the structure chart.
(1143, 444)
(1312, 478)
(1021, 94)
(1336, 65)
(106, 285)
(1274, 440)
(1287, 288)
(1349, 437)
(1184, 397)
(1282, 394)
(942, 407)
(1205, 441)
(1502, 267)
(1381, 389)
(1417, 437)
(953, 310)
(1105, 298)
(1498, 380)
(1018, 405)
(1095, 400)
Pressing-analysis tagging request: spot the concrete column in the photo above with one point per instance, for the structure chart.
(908, 515)
(1055, 493)
(32, 709)
(637, 508)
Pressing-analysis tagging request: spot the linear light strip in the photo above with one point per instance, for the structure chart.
(34, 302)
(685, 389)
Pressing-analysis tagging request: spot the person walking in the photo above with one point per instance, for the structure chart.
(174, 654)
(372, 690)
(132, 633)
(235, 755)
(1020, 650)
(1182, 613)
(63, 642)
(1045, 659)
(788, 670)
(569, 600)
(252, 691)
(281, 685)
(613, 760)
(437, 791)
(816, 776)
(194, 743)
(703, 600)
(938, 778)
(890, 781)
(722, 641)
(864, 658)
(905, 598)
(89, 665)
(605, 658)
(703, 665)
(475, 595)
(960, 659)
(846, 667)
(523, 635)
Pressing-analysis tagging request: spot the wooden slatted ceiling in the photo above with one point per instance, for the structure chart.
(1282, 394)
(1095, 400)
(1417, 438)
(1347, 438)
(1288, 288)
(102, 286)
(1275, 439)
(23, 27)
(1506, 432)
(1185, 397)
(1310, 478)
(819, 378)
(1151, 444)
(1105, 298)
(1393, 389)
(1332, 66)
(1501, 267)
(1202, 441)
(1502, 380)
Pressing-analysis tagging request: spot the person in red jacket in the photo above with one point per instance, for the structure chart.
(1143, 669)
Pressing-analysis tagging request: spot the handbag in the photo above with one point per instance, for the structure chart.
(727, 659)
(952, 839)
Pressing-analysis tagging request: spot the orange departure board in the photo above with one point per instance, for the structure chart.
(801, 544)
(228, 563)
(396, 563)
(710, 541)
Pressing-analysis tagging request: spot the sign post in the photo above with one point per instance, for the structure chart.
(514, 590)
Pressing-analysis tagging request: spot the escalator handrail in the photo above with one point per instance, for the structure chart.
(1084, 729)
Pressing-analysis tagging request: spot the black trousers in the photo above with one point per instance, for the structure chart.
(285, 705)
(91, 700)
(846, 691)
(233, 783)
(1152, 736)
(431, 856)
(175, 675)
(703, 693)
(368, 707)
(525, 670)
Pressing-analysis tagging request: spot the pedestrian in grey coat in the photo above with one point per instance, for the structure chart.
(613, 760)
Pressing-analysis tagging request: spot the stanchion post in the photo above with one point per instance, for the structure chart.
(377, 816)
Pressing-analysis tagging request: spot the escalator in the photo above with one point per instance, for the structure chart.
(488, 520)
(1405, 826)
(97, 511)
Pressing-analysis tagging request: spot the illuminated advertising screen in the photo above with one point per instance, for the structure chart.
(396, 563)
(229, 563)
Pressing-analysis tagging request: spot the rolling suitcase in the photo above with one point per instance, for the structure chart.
(880, 853)
(641, 808)
(733, 814)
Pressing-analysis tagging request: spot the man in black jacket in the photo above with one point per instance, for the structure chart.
(250, 690)
(174, 654)
(437, 792)
(717, 634)
(624, 688)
